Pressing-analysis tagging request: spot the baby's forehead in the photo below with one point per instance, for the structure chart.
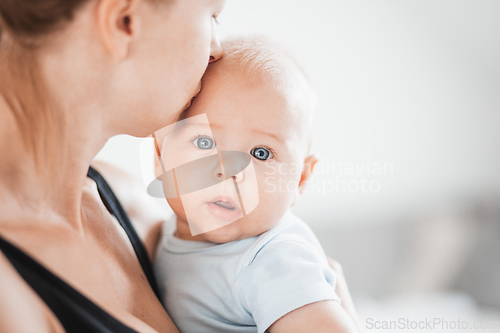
(286, 92)
(255, 58)
(264, 87)
(260, 62)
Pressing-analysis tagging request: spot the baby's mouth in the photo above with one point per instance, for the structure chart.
(225, 207)
(224, 204)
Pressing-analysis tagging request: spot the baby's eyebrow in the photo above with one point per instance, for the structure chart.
(185, 126)
(272, 135)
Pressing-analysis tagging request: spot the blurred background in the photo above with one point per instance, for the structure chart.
(407, 195)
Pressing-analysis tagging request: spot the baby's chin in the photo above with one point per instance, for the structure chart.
(225, 234)
(238, 230)
(218, 237)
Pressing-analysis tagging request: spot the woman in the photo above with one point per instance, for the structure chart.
(73, 74)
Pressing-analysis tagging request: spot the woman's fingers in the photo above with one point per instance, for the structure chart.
(343, 291)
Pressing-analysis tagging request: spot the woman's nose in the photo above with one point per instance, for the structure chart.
(215, 47)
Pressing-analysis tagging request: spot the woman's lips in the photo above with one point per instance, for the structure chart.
(225, 208)
(188, 104)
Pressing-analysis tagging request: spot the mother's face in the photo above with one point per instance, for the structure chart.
(177, 40)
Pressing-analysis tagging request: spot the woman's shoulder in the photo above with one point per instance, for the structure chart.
(146, 213)
(21, 309)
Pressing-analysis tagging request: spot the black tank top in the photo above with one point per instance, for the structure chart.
(76, 312)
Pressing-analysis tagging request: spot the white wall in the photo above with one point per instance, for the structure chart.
(412, 84)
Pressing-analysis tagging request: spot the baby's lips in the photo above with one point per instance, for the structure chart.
(228, 199)
(222, 213)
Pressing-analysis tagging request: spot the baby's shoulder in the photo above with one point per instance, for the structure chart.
(290, 237)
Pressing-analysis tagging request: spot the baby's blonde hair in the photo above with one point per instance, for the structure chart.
(259, 57)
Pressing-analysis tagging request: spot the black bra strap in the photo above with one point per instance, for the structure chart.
(115, 208)
(75, 311)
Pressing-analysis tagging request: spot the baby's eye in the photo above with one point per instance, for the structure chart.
(261, 153)
(204, 143)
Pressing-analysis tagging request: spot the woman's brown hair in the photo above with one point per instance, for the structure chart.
(24, 24)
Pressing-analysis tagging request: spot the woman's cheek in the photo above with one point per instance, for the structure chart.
(201, 46)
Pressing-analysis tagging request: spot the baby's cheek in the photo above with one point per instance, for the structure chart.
(177, 207)
(277, 184)
(279, 177)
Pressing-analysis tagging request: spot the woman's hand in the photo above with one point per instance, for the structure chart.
(343, 293)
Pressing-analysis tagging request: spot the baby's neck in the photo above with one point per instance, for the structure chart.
(184, 232)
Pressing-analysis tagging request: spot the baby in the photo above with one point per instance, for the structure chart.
(238, 159)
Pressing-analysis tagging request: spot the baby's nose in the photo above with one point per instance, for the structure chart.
(217, 174)
(217, 171)
(239, 177)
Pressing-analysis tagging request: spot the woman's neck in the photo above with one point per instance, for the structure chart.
(30, 191)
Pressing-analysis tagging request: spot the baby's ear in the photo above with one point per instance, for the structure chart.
(307, 171)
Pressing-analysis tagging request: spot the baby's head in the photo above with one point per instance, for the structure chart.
(257, 100)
